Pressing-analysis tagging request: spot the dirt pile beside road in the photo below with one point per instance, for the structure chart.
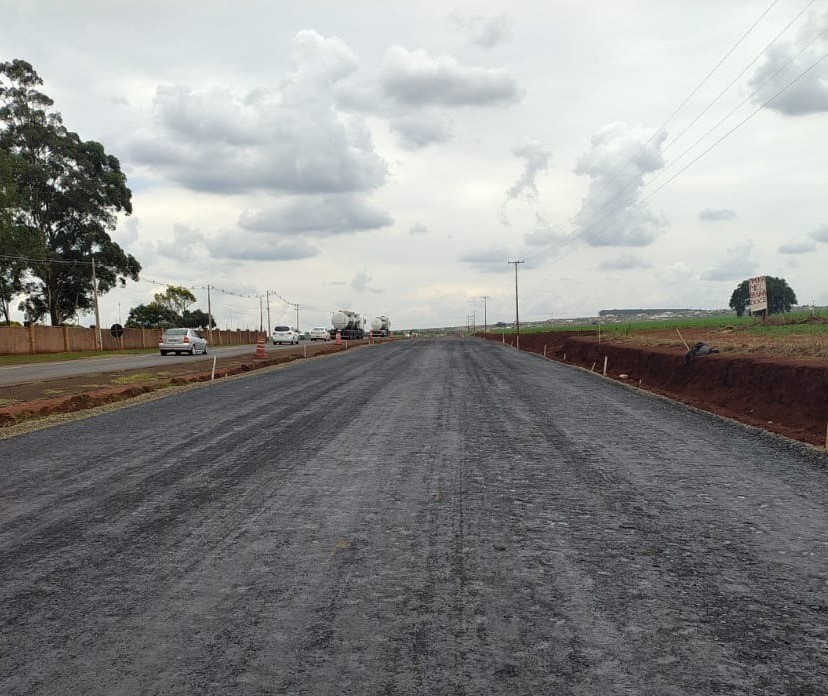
(782, 395)
(23, 402)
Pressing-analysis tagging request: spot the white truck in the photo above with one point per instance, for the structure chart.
(380, 326)
(350, 325)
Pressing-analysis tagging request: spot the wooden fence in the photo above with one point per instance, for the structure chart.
(17, 340)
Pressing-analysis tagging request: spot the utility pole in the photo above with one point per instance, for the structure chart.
(517, 317)
(97, 309)
(297, 316)
(485, 322)
(209, 314)
(267, 295)
(474, 322)
(261, 315)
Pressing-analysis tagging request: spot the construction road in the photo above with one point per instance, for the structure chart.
(421, 517)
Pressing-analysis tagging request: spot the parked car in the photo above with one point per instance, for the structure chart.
(284, 334)
(319, 333)
(182, 341)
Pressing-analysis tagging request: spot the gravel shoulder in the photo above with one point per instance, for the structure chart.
(434, 517)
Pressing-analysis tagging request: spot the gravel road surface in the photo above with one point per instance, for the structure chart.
(424, 517)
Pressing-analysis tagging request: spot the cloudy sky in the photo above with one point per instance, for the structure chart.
(391, 158)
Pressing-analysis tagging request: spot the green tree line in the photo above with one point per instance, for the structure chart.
(170, 308)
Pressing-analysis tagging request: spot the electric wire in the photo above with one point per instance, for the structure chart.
(717, 142)
(695, 91)
(698, 116)
(747, 99)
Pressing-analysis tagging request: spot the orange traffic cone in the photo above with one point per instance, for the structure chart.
(260, 350)
(339, 338)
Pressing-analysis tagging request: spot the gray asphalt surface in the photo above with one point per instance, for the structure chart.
(44, 372)
(424, 517)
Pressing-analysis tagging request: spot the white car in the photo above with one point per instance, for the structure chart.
(182, 341)
(284, 334)
(319, 333)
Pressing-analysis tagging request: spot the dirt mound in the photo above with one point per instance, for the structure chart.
(785, 396)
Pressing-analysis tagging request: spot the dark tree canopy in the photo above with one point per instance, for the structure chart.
(70, 192)
(151, 316)
(157, 314)
(781, 296)
(17, 243)
(197, 319)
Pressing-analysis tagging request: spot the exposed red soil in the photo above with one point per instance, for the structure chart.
(37, 400)
(785, 396)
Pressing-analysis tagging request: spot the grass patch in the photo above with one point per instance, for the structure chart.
(793, 323)
(8, 402)
(140, 378)
(53, 392)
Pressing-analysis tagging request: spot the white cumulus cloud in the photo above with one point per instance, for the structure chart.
(738, 264)
(617, 163)
(484, 31)
(793, 76)
(417, 78)
(316, 216)
(290, 138)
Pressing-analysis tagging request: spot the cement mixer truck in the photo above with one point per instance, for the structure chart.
(380, 326)
(350, 325)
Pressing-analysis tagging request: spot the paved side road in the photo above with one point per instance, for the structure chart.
(427, 517)
(53, 371)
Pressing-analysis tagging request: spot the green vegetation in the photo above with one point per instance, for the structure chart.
(169, 309)
(781, 296)
(60, 197)
(800, 322)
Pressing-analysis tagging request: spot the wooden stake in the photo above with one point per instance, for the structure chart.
(592, 369)
(605, 366)
(544, 350)
(682, 339)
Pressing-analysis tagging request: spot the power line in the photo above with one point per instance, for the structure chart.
(694, 92)
(620, 211)
(762, 106)
(600, 215)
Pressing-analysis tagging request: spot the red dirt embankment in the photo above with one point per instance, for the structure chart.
(788, 397)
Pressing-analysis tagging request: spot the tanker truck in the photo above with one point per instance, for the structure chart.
(349, 324)
(380, 326)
